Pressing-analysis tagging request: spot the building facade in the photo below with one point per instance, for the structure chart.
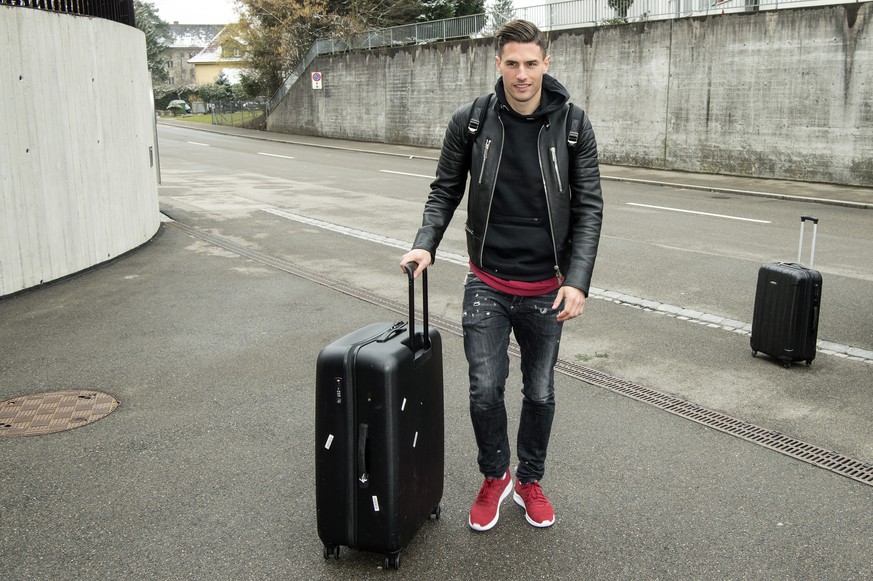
(188, 41)
(224, 54)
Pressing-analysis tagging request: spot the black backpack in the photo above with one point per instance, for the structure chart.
(480, 109)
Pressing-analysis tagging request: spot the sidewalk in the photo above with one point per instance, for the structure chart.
(850, 196)
(205, 471)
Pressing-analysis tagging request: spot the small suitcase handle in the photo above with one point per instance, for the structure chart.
(803, 220)
(364, 478)
(410, 272)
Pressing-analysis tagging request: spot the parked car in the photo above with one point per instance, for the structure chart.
(178, 106)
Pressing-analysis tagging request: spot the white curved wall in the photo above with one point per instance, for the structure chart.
(78, 184)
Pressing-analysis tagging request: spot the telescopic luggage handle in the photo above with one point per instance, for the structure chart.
(410, 272)
(803, 220)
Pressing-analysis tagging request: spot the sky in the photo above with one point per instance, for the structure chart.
(196, 11)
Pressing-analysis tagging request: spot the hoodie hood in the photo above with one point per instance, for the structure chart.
(552, 97)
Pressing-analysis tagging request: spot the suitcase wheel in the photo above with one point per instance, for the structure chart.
(754, 353)
(435, 515)
(392, 561)
(331, 551)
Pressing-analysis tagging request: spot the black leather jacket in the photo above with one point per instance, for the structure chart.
(572, 186)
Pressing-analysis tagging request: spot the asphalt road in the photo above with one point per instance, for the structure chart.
(668, 244)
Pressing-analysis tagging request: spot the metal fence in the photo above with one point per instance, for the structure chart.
(581, 13)
(321, 46)
(569, 14)
(248, 114)
(560, 15)
(117, 10)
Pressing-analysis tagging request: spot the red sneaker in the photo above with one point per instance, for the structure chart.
(486, 508)
(537, 509)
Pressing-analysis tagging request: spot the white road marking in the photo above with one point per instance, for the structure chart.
(197, 143)
(275, 155)
(700, 213)
(681, 313)
(393, 242)
(402, 173)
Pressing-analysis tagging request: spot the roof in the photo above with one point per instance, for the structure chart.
(212, 53)
(193, 35)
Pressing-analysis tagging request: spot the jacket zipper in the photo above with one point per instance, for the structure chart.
(555, 165)
(484, 159)
(558, 273)
(493, 185)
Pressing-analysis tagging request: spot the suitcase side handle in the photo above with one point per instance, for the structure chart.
(803, 220)
(364, 478)
(410, 273)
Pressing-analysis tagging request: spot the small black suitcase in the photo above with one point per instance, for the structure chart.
(379, 435)
(787, 302)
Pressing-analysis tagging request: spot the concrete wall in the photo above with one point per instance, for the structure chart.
(784, 94)
(78, 184)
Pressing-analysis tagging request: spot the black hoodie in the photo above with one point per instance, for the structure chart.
(519, 245)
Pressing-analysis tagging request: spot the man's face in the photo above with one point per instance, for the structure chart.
(522, 66)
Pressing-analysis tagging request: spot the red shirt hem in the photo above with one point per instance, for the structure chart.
(517, 287)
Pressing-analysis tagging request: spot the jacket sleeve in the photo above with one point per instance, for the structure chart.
(586, 209)
(447, 190)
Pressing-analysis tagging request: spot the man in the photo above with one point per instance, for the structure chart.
(533, 227)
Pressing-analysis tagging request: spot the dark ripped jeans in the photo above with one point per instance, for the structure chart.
(488, 317)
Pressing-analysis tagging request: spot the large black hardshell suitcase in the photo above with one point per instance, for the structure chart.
(379, 435)
(787, 304)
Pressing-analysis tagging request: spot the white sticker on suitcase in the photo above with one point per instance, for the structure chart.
(403, 405)
(329, 442)
(415, 440)
(375, 504)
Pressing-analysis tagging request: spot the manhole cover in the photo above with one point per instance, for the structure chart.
(45, 413)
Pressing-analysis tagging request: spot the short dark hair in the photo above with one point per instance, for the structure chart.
(521, 31)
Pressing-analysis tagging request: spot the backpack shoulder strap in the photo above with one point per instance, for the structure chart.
(574, 124)
(477, 116)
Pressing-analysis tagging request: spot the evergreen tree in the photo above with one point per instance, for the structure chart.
(499, 13)
(158, 37)
(621, 7)
(220, 90)
(440, 9)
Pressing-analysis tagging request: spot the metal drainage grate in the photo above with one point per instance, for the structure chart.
(810, 453)
(57, 411)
